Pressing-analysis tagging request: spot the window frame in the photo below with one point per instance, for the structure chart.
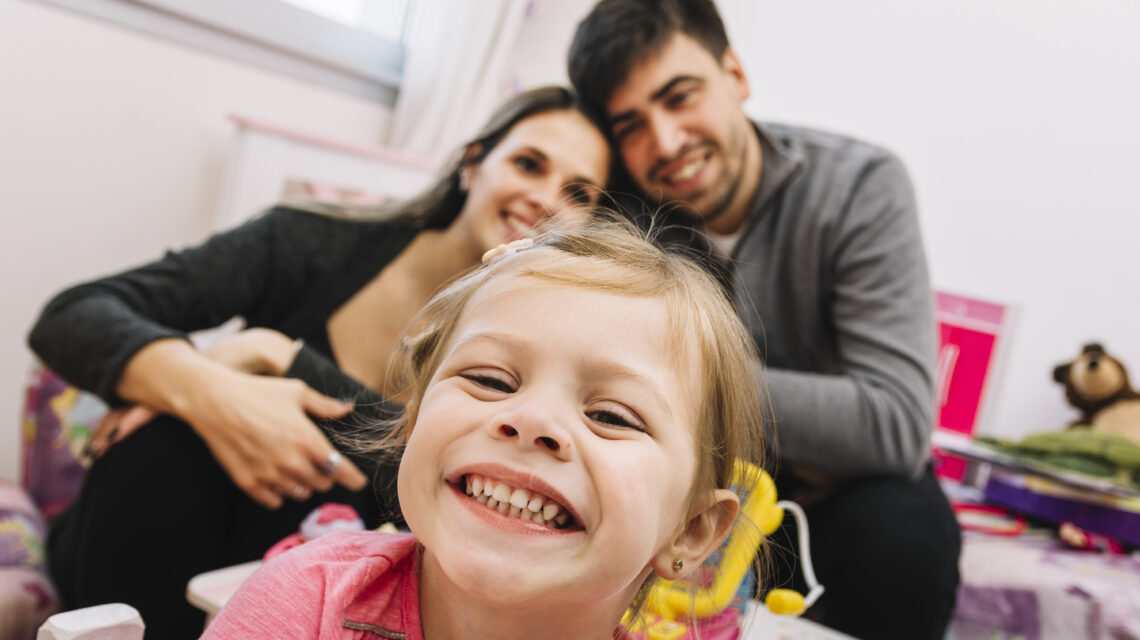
(267, 33)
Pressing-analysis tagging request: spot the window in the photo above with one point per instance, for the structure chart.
(351, 45)
(383, 18)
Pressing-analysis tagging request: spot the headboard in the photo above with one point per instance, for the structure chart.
(270, 164)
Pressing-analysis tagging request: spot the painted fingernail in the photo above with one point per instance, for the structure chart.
(112, 433)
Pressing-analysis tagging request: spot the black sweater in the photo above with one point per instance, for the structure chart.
(287, 270)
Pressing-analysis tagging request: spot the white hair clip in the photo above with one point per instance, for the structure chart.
(507, 249)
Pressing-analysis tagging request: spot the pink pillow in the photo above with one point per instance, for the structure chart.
(27, 597)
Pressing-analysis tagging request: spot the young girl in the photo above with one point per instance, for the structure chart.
(576, 410)
(237, 461)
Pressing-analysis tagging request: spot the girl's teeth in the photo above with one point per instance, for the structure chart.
(502, 493)
(516, 503)
(520, 498)
(550, 510)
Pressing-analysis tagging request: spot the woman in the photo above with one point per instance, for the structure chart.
(232, 465)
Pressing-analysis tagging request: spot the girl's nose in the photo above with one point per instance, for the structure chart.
(533, 426)
(540, 442)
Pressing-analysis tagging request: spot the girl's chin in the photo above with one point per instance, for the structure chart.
(494, 580)
(520, 586)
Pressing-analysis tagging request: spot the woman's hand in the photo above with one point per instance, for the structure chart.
(257, 427)
(260, 431)
(257, 350)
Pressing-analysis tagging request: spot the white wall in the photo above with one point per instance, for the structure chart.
(1018, 119)
(1020, 122)
(112, 148)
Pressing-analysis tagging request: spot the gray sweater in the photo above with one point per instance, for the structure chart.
(831, 278)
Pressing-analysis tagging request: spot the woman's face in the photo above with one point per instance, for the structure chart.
(553, 164)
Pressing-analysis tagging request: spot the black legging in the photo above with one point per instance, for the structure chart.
(157, 510)
(886, 552)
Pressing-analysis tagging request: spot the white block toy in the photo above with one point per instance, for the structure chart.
(102, 622)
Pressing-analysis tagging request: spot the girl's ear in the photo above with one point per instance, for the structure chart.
(702, 534)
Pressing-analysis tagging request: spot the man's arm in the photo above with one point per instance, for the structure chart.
(877, 413)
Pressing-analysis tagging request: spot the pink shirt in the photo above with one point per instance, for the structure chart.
(349, 585)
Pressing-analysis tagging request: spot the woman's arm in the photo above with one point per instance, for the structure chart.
(124, 338)
(89, 332)
(258, 427)
(258, 351)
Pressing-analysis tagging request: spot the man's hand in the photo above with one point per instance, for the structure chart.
(813, 486)
(257, 350)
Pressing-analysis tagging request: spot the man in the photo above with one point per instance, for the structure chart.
(827, 266)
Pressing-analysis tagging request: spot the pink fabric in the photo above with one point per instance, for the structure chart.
(348, 585)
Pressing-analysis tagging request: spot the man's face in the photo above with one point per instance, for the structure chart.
(680, 129)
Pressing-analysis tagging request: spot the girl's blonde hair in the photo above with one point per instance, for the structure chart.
(610, 254)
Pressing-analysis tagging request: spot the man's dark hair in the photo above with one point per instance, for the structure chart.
(618, 34)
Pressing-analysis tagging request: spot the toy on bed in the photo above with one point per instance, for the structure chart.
(715, 596)
(1097, 384)
(324, 519)
(1104, 442)
(1079, 538)
(1099, 452)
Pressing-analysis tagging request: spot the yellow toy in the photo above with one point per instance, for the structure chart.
(710, 603)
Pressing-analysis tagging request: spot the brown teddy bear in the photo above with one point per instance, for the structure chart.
(1097, 384)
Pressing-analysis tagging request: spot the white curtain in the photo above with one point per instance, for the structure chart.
(455, 65)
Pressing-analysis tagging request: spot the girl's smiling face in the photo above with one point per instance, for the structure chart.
(577, 402)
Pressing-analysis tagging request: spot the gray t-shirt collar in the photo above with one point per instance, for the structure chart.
(780, 164)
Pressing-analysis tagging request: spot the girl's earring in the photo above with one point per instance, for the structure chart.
(678, 564)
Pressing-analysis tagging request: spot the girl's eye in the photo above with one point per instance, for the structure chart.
(493, 383)
(615, 417)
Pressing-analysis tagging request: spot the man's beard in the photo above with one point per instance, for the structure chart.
(731, 178)
(728, 185)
